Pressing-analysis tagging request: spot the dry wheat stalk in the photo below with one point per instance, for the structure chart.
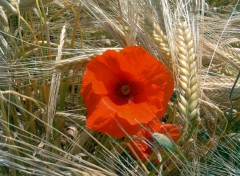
(216, 114)
(188, 80)
(70, 116)
(78, 62)
(72, 63)
(55, 83)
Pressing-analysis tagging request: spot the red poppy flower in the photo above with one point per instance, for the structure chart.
(141, 143)
(122, 90)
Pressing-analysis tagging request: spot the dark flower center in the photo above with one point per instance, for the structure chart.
(125, 89)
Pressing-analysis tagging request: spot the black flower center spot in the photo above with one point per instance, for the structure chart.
(125, 89)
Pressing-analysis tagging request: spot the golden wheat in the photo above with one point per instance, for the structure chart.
(161, 39)
(54, 89)
(218, 88)
(188, 78)
(42, 117)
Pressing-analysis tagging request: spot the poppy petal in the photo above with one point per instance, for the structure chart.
(122, 90)
(141, 148)
(101, 76)
(105, 119)
(105, 113)
(170, 130)
(139, 144)
(142, 64)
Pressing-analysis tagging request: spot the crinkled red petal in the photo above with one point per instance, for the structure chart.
(140, 145)
(151, 89)
(102, 112)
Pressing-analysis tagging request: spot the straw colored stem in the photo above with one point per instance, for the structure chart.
(6, 129)
(139, 160)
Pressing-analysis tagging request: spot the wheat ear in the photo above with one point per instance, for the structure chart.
(232, 54)
(223, 54)
(218, 88)
(161, 39)
(188, 103)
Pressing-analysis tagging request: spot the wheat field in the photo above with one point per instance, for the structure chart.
(45, 46)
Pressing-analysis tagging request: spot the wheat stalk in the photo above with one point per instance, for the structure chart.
(217, 116)
(55, 83)
(72, 63)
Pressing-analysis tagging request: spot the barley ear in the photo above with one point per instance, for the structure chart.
(161, 39)
(188, 103)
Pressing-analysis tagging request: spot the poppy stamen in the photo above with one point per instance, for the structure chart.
(125, 89)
